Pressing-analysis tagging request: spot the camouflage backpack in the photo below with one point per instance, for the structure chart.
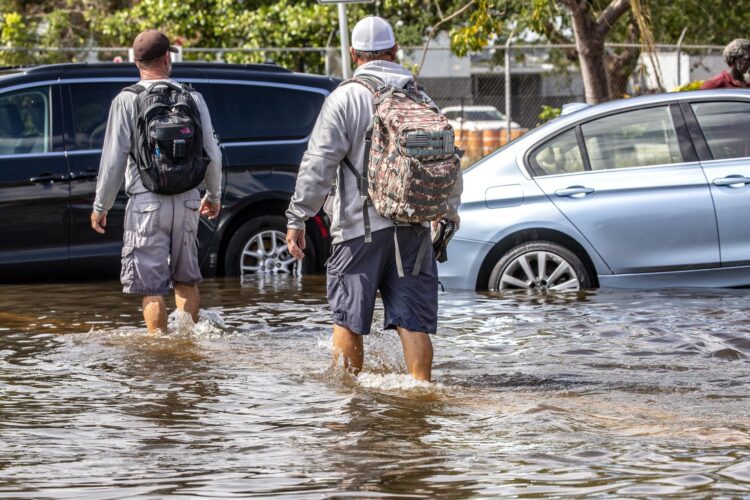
(411, 164)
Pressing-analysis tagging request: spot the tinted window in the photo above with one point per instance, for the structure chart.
(725, 126)
(25, 121)
(560, 155)
(255, 112)
(91, 103)
(633, 139)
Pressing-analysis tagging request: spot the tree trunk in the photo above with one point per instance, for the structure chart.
(592, 58)
(621, 66)
(590, 34)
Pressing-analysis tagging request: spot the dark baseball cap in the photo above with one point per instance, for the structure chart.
(150, 44)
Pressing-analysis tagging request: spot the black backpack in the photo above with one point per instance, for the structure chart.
(168, 138)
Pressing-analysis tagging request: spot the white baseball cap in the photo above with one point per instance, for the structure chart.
(372, 34)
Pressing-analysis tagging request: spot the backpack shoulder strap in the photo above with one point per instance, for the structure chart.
(370, 82)
(135, 89)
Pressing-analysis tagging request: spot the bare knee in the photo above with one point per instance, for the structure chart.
(155, 313)
(417, 353)
(349, 348)
(187, 298)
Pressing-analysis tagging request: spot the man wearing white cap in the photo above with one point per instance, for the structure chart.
(357, 270)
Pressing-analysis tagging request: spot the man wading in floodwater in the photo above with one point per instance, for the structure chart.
(160, 140)
(380, 216)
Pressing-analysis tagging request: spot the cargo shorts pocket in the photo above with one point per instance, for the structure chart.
(127, 271)
(192, 217)
(146, 217)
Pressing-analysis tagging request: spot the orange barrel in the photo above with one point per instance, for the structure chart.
(490, 140)
(474, 143)
(518, 132)
(504, 136)
(461, 138)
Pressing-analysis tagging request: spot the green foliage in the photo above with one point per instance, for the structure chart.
(696, 85)
(548, 113)
(252, 24)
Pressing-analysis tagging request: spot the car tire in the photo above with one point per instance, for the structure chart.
(258, 247)
(519, 269)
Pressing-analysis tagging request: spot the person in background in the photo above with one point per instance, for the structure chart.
(737, 56)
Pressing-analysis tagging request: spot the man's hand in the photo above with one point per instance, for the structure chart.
(98, 221)
(208, 209)
(455, 219)
(295, 241)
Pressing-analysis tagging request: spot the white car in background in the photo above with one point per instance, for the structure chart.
(477, 118)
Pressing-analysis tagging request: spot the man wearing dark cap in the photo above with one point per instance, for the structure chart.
(160, 239)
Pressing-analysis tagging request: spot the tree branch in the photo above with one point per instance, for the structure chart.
(611, 14)
(433, 30)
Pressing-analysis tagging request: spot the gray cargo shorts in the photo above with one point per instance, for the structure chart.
(160, 244)
(357, 270)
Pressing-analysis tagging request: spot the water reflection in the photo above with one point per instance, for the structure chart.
(620, 394)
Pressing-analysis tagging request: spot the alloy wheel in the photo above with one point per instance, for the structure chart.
(266, 253)
(539, 271)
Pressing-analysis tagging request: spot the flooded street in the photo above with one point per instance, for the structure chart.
(608, 393)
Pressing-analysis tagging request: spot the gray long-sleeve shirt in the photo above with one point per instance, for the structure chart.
(117, 164)
(340, 132)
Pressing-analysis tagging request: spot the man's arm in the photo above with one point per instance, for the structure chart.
(211, 146)
(329, 144)
(115, 152)
(454, 200)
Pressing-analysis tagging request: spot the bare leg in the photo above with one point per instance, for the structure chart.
(187, 299)
(348, 344)
(418, 353)
(155, 313)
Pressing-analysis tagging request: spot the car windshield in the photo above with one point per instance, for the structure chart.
(475, 115)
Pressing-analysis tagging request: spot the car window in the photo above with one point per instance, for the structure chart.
(488, 115)
(560, 155)
(725, 127)
(91, 103)
(259, 112)
(633, 139)
(25, 122)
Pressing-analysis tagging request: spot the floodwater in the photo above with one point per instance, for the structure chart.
(610, 394)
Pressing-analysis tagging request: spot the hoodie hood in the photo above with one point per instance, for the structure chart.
(389, 72)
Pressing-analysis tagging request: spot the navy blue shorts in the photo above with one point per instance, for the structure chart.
(357, 270)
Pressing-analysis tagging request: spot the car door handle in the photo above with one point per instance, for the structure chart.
(574, 192)
(48, 178)
(732, 181)
(84, 175)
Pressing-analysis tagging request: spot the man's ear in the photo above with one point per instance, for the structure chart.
(394, 53)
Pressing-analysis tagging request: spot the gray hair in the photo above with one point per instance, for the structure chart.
(371, 56)
(736, 50)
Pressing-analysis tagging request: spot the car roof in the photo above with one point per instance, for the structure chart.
(183, 70)
(586, 113)
(470, 108)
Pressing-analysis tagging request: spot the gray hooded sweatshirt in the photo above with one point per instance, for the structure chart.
(338, 133)
(116, 162)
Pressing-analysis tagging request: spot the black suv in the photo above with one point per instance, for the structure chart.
(52, 124)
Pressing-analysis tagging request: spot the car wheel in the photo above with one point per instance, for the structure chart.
(540, 266)
(259, 247)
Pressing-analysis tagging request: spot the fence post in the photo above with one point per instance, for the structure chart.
(507, 86)
(679, 56)
(346, 65)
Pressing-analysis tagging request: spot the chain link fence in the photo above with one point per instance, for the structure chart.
(489, 96)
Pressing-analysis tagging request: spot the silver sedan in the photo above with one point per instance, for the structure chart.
(649, 192)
